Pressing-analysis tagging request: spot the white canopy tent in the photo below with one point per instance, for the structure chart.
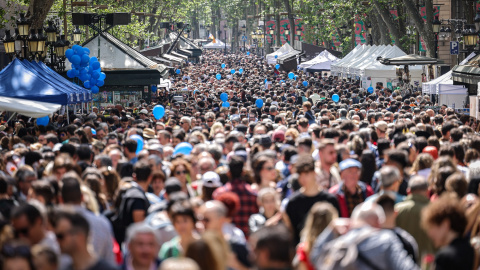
(367, 59)
(335, 68)
(358, 57)
(217, 45)
(286, 48)
(28, 108)
(323, 61)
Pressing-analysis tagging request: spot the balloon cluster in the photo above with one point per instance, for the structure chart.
(86, 68)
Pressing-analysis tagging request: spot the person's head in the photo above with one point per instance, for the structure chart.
(214, 215)
(236, 166)
(203, 252)
(319, 216)
(264, 170)
(397, 158)
(273, 247)
(327, 153)
(44, 258)
(267, 200)
(350, 170)
(130, 147)
(183, 218)
(390, 178)
(42, 191)
(72, 231)
(143, 244)
(16, 257)
(24, 176)
(28, 224)
(444, 220)
(418, 185)
(457, 184)
(387, 202)
(181, 169)
(305, 167)
(142, 172)
(367, 214)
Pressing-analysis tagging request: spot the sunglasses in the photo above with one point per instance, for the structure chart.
(22, 231)
(180, 172)
(209, 120)
(181, 123)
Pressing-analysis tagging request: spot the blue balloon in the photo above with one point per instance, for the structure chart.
(226, 104)
(86, 84)
(178, 71)
(94, 132)
(69, 53)
(370, 90)
(232, 71)
(85, 59)
(95, 89)
(83, 71)
(277, 66)
(139, 140)
(282, 81)
(240, 71)
(305, 83)
(223, 97)
(100, 83)
(183, 148)
(75, 59)
(223, 65)
(259, 103)
(291, 75)
(248, 53)
(276, 56)
(96, 75)
(78, 50)
(83, 77)
(43, 121)
(76, 72)
(102, 76)
(86, 51)
(93, 81)
(95, 65)
(154, 88)
(218, 76)
(70, 74)
(93, 59)
(335, 98)
(158, 112)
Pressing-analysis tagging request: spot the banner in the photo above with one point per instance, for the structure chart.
(360, 31)
(283, 25)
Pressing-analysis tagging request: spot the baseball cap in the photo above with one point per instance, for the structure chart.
(144, 111)
(278, 136)
(382, 126)
(349, 163)
(432, 150)
(211, 180)
(172, 185)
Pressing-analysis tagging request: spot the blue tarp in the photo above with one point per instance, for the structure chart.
(17, 81)
(37, 82)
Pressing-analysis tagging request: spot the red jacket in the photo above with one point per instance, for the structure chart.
(337, 190)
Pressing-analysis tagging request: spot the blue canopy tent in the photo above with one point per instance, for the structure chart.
(24, 91)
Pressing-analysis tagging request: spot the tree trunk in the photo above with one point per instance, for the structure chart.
(277, 23)
(382, 30)
(391, 24)
(38, 11)
(291, 21)
(425, 29)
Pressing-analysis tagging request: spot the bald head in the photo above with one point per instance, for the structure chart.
(368, 213)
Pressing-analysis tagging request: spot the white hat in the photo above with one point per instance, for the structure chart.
(144, 111)
(211, 180)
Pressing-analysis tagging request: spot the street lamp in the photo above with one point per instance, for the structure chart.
(369, 28)
(51, 31)
(287, 31)
(23, 25)
(470, 37)
(271, 31)
(9, 43)
(343, 30)
(77, 34)
(436, 25)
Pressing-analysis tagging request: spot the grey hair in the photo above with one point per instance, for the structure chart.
(417, 183)
(218, 207)
(139, 228)
(474, 170)
(368, 212)
(209, 160)
(105, 160)
(389, 175)
(155, 158)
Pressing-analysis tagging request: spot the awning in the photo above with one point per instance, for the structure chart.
(173, 58)
(30, 108)
(411, 59)
(288, 56)
(468, 73)
(184, 57)
(185, 52)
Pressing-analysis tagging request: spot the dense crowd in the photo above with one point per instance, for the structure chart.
(280, 176)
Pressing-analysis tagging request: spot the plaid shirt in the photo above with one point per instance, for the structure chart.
(353, 199)
(248, 202)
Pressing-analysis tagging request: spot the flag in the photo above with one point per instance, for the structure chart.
(212, 38)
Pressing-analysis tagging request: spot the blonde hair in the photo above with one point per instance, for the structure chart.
(319, 216)
(216, 126)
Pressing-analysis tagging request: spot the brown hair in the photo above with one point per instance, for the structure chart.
(445, 208)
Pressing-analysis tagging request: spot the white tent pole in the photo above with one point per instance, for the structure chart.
(68, 118)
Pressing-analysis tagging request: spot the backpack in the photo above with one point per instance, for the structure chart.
(341, 254)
